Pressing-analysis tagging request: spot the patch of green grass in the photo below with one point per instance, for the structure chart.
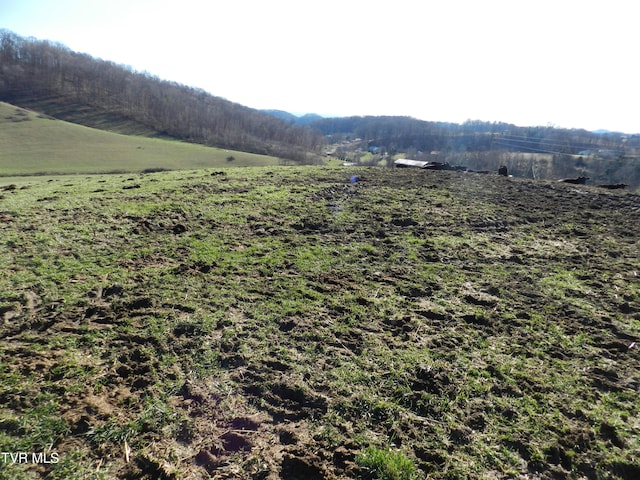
(387, 464)
(77, 464)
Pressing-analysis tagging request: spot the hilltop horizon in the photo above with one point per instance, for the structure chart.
(299, 112)
(446, 69)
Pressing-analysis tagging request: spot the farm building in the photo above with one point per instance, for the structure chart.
(406, 163)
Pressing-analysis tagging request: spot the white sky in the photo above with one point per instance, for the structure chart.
(572, 63)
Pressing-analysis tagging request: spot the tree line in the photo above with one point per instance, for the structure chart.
(51, 74)
(401, 134)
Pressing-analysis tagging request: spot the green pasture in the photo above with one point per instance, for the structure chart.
(33, 144)
(283, 323)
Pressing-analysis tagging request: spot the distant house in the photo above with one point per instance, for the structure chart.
(602, 153)
(427, 165)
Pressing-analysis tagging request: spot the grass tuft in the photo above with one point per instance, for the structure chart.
(386, 464)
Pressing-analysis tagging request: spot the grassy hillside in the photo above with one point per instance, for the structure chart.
(287, 323)
(34, 144)
(65, 109)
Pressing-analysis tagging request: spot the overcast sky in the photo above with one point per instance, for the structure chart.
(528, 62)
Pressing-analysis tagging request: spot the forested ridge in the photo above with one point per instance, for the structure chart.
(395, 133)
(62, 83)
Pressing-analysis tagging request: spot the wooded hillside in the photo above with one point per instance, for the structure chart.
(50, 78)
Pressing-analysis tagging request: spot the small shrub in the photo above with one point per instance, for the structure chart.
(387, 464)
(230, 158)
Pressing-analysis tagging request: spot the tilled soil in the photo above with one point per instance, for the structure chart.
(266, 324)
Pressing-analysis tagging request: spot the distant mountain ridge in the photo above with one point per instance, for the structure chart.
(306, 119)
